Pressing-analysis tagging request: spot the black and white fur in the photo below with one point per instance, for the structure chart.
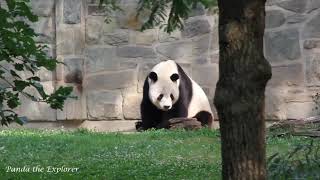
(169, 93)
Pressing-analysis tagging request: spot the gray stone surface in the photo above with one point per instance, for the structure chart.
(44, 29)
(104, 105)
(198, 10)
(71, 11)
(100, 58)
(73, 70)
(175, 50)
(110, 126)
(282, 45)
(288, 75)
(112, 80)
(36, 111)
(196, 26)
(313, 5)
(119, 37)
(42, 7)
(313, 69)
(311, 29)
(147, 37)
(136, 51)
(311, 44)
(300, 110)
(108, 63)
(206, 75)
(131, 106)
(275, 103)
(294, 5)
(94, 29)
(274, 18)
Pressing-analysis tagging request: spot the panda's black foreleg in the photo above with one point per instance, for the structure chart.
(163, 125)
(204, 117)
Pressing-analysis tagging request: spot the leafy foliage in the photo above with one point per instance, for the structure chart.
(20, 60)
(168, 14)
(302, 162)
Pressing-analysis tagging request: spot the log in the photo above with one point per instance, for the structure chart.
(184, 123)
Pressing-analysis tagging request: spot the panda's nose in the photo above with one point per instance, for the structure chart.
(166, 107)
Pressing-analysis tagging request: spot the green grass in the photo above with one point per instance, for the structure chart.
(148, 155)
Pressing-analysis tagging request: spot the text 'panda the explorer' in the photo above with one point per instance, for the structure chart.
(169, 93)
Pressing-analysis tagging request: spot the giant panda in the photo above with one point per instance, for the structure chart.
(168, 92)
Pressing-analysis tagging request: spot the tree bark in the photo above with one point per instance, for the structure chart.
(239, 97)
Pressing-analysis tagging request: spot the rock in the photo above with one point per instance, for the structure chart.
(287, 75)
(74, 109)
(104, 105)
(100, 59)
(195, 26)
(127, 18)
(112, 80)
(296, 18)
(70, 41)
(274, 18)
(202, 45)
(282, 45)
(206, 75)
(175, 50)
(96, 10)
(313, 69)
(136, 51)
(311, 44)
(298, 110)
(71, 11)
(313, 5)
(198, 10)
(42, 7)
(45, 75)
(131, 106)
(297, 6)
(147, 37)
(44, 29)
(311, 28)
(73, 70)
(110, 126)
(166, 37)
(275, 103)
(37, 111)
(94, 29)
(119, 37)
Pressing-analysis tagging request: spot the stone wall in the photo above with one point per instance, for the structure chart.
(107, 63)
(292, 46)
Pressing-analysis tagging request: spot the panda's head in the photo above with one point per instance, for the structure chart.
(164, 83)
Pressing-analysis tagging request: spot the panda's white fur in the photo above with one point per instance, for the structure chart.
(169, 93)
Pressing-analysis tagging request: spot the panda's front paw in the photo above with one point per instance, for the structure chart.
(139, 126)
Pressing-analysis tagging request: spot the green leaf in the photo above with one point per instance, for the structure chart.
(11, 4)
(18, 67)
(13, 73)
(13, 102)
(20, 85)
(21, 120)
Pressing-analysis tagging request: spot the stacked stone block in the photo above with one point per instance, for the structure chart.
(107, 63)
(292, 47)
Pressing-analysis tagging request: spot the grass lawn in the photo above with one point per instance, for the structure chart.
(147, 155)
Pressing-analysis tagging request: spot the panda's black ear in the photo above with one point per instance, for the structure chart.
(174, 77)
(153, 76)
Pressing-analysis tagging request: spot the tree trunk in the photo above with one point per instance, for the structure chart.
(239, 97)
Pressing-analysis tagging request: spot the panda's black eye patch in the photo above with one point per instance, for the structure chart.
(171, 96)
(160, 97)
(174, 77)
(153, 76)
